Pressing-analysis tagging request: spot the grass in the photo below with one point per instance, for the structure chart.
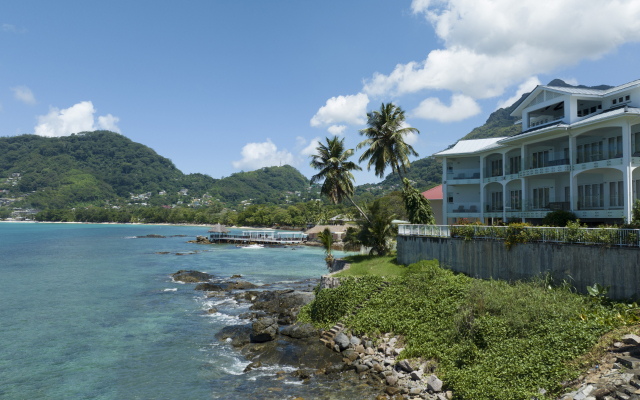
(385, 266)
(491, 339)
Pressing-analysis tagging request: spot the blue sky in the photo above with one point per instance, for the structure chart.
(224, 86)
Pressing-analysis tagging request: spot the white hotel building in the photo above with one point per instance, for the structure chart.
(579, 150)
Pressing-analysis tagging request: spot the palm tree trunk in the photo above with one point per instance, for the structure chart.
(356, 206)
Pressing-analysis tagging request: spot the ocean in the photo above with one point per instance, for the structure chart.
(88, 311)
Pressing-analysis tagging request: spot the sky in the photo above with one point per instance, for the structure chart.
(225, 86)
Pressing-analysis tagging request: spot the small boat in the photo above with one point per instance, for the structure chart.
(254, 246)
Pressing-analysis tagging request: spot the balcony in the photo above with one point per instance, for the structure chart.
(492, 175)
(600, 154)
(463, 176)
(463, 209)
(546, 162)
(539, 208)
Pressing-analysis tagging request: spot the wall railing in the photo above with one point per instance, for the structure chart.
(590, 236)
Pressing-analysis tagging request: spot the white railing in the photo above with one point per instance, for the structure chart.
(598, 236)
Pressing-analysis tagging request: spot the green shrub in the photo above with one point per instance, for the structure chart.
(491, 339)
(558, 218)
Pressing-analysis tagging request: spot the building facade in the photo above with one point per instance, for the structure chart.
(579, 150)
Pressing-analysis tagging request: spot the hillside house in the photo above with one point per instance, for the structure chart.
(579, 150)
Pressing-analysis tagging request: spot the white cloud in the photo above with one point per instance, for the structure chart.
(24, 94)
(337, 129)
(77, 118)
(108, 122)
(12, 29)
(461, 107)
(350, 109)
(525, 87)
(411, 138)
(311, 148)
(265, 154)
(300, 141)
(490, 45)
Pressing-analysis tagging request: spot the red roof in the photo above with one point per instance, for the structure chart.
(434, 193)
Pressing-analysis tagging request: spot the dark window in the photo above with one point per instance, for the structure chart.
(620, 100)
(614, 101)
(450, 199)
(627, 97)
(593, 109)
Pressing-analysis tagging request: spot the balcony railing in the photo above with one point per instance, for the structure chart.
(463, 207)
(492, 172)
(459, 174)
(547, 159)
(587, 236)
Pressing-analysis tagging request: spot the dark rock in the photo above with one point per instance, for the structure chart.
(212, 310)
(300, 331)
(264, 329)
(341, 340)
(361, 368)
(226, 286)
(253, 365)
(631, 339)
(191, 276)
(252, 315)
(151, 237)
(335, 368)
(405, 366)
(209, 287)
(391, 390)
(236, 276)
(285, 304)
(200, 240)
(629, 362)
(240, 335)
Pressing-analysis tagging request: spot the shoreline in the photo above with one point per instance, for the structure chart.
(140, 223)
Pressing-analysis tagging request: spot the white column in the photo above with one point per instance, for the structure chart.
(525, 121)
(445, 200)
(626, 171)
(572, 181)
(482, 161)
(504, 202)
(523, 184)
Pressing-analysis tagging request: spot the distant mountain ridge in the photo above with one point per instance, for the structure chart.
(91, 167)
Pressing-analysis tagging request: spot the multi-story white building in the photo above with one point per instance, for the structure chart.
(579, 150)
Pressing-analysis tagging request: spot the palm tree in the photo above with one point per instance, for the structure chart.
(385, 140)
(335, 171)
(326, 239)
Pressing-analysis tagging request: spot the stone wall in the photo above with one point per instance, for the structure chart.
(581, 265)
(329, 281)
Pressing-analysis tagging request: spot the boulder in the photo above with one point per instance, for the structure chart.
(355, 341)
(253, 365)
(405, 366)
(225, 286)
(361, 368)
(236, 276)
(391, 391)
(264, 329)
(188, 276)
(631, 339)
(152, 236)
(335, 368)
(433, 383)
(341, 340)
(416, 375)
(209, 287)
(300, 331)
(237, 335)
(391, 380)
(212, 310)
(285, 304)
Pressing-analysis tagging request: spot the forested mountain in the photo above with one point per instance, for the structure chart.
(91, 167)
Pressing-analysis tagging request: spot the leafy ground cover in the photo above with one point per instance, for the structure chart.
(490, 339)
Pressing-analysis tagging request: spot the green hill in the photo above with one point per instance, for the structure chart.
(91, 167)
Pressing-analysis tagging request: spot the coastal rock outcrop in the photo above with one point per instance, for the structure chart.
(226, 286)
(237, 335)
(264, 329)
(285, 304)
(300, 331)
(200, 240)
(189, 276)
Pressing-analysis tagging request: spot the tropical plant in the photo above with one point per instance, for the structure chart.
(377, 230)
(558, 218)
(326, 239)
(417, 206)
(335, 171)
(386, 146)
(350, 239)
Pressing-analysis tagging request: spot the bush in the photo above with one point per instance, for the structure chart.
(491, 339)
(558, 218)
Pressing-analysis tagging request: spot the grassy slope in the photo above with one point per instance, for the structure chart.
(490, 339)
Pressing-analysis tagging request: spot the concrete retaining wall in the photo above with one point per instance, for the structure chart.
(581, 265)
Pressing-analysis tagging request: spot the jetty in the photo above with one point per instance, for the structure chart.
(220, 234)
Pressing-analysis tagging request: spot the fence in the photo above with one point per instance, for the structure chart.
(587, 236)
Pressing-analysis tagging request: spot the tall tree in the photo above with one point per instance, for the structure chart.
(326, 239)
(386, 146)
(335, 171)
(417, 206)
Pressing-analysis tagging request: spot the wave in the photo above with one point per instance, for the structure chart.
(171, 290)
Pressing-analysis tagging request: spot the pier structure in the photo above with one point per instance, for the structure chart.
(257, 237)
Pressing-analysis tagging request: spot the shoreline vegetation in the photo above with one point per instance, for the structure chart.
(484, 339)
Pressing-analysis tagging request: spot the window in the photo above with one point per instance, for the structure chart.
(567, 193)
(614, 101)
(514, 164)
(620, 100)
(627, 97)
(496, 201)
(516, 199)
(593, 109)
(580, 197)
(496, 168)
(541, 198)
(619, 147)
(616, 194)
(450, 199)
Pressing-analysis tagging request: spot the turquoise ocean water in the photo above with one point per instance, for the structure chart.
(89, 312)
